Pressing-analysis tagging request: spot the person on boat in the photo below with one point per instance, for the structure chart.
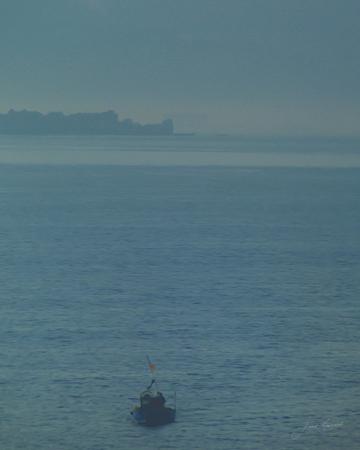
(160, 399)
(153, 400)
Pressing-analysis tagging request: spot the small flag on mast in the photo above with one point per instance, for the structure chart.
(152, 367)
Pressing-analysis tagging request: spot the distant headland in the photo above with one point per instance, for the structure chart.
(56, 123)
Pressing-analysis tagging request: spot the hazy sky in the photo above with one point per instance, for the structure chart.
(244, 66)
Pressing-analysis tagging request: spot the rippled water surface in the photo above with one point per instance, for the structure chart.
(241, 283)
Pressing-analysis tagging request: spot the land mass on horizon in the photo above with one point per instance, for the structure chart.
(56, 123)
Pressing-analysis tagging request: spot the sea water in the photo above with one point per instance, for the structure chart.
(233, 264)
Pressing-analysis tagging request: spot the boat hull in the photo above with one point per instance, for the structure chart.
(155, 417)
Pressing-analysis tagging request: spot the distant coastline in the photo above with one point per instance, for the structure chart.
(56, 123)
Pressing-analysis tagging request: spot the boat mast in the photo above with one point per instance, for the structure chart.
(152, 369)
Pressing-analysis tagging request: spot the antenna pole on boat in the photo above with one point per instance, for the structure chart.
(152, 369)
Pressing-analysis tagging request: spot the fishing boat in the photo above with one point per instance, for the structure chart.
(152, 410)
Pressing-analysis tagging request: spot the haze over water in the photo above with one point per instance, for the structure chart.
(237, 66)
(233, 264)
(225, 150)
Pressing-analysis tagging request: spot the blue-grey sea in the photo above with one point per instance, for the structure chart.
(233, 263)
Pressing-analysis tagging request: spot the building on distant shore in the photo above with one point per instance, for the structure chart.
(56, 123)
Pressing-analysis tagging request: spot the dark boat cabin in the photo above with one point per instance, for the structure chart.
(149, 400)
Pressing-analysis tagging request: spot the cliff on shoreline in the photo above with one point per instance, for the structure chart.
(56, 123)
